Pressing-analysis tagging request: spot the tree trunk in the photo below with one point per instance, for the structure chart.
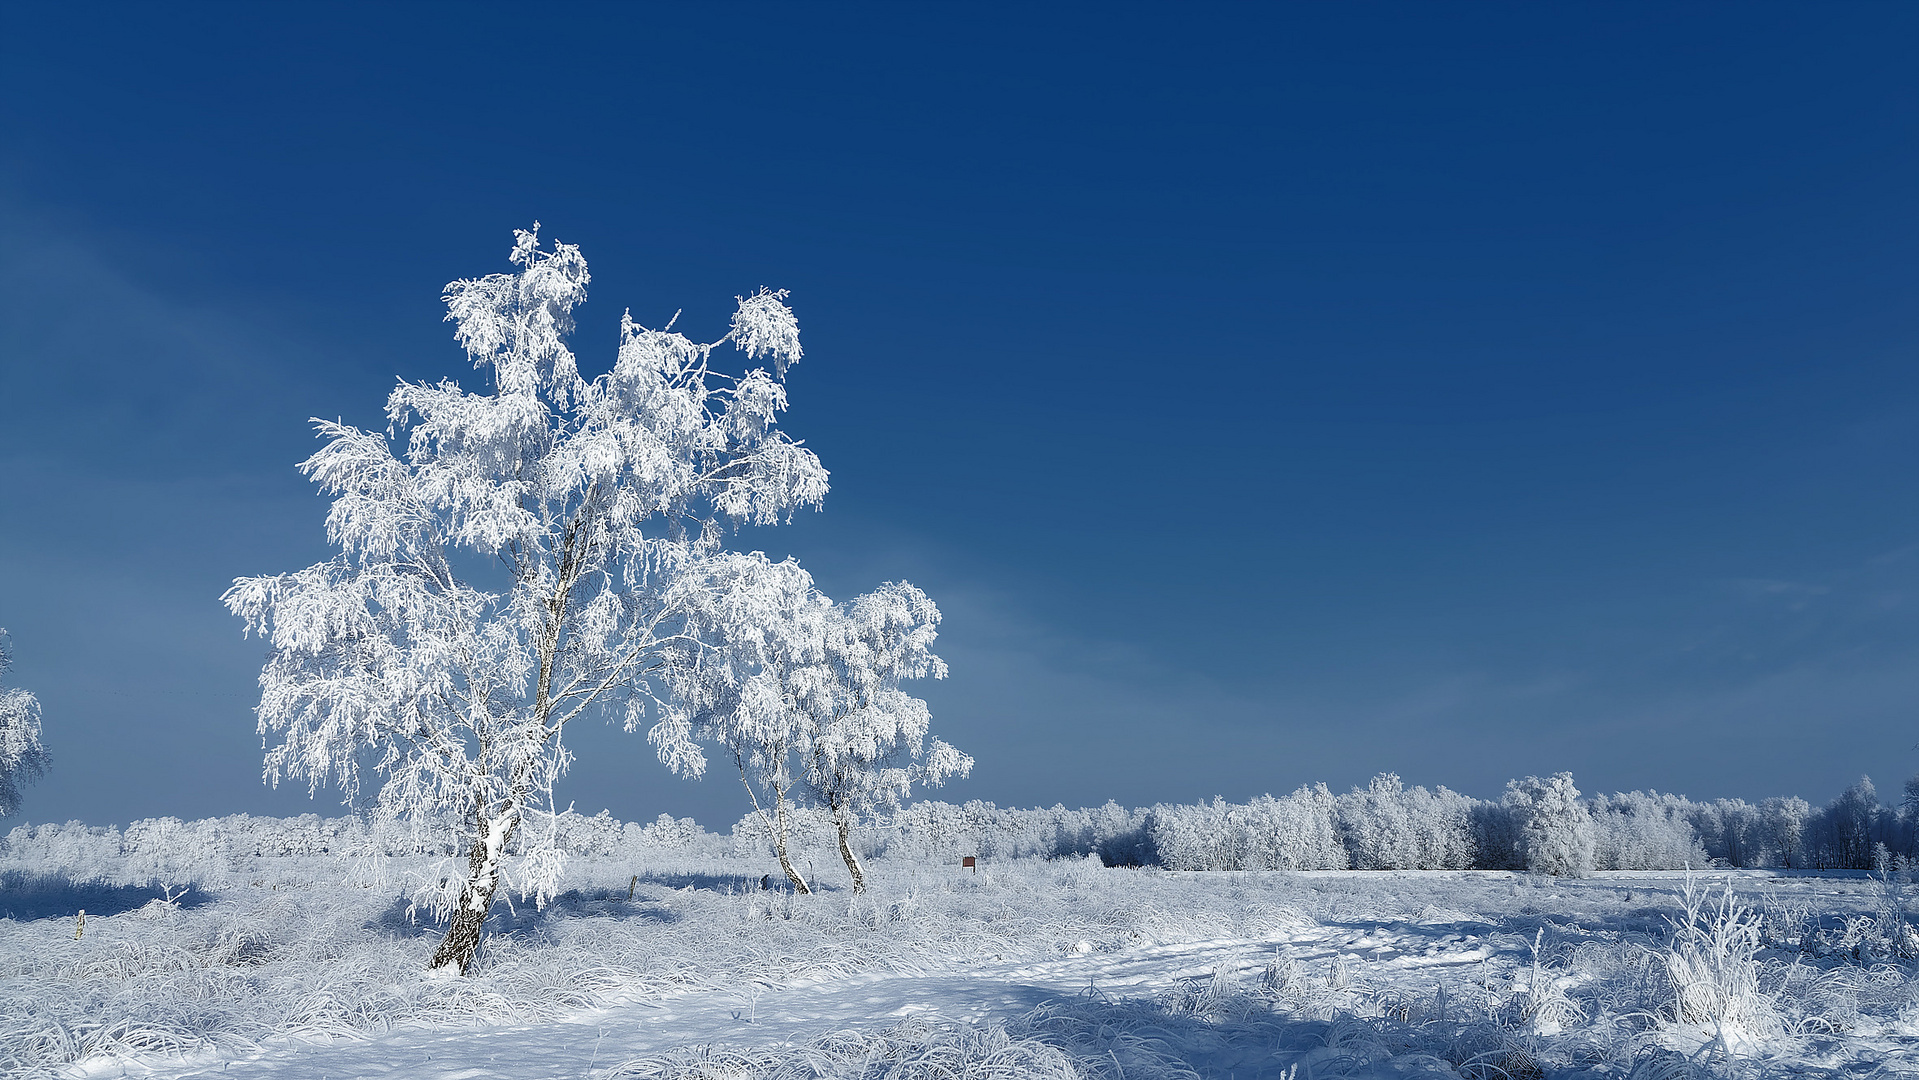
(779, 844)
(462, 940)
(776, 825)
(843, 820)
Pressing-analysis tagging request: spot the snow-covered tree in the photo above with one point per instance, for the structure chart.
(867, 745)
(1555, 825)
(173, 856)
(797, 690)
(1639, 830)
(1909, 819)
(1783, 818)
(751, 667)
(1386, 826)
(22, 758)
(1843, 832)
(601, 504)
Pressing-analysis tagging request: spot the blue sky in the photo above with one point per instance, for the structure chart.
(1267, 394)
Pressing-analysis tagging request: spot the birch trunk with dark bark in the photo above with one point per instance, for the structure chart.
(843, 821)
(462, 941)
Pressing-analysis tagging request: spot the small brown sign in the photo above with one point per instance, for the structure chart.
(969, 864)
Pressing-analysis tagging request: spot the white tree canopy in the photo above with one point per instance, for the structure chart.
(869, 744)
(605, 501)
(1556, 826)
(798, 690)
(22, 758)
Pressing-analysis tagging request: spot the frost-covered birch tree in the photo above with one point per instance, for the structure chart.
(802, 693)
(600, 505)
(22, 758)
(751, 668)
(868, 744)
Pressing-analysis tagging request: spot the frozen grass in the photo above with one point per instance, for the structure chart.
(912, 1051)
(1480, 974)
(1713, 963)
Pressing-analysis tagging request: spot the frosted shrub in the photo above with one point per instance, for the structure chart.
(1498, 841)
(803, 696)
(1377, 830)
(1556, 829)
(1740, 834)
(75, 850)
(866, 743)
(1908, 844)
(1783, 823)
(1297, 832)
(934, 831)
(1199, 837)
(1294, 833)
(1842, 834)
(172, 856)
(665, 833)
(808, 828)
(1120, 837)
(601, 834)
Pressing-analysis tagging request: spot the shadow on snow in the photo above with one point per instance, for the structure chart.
(26, 896)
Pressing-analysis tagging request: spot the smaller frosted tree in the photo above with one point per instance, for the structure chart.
(800, 691)
(749, 666)
(1849, 821)
(869, 740)
(22, 758)
(1557, 830)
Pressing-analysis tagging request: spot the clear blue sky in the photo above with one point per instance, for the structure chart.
(1267, 393)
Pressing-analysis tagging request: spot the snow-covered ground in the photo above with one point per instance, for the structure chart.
(1032, 968)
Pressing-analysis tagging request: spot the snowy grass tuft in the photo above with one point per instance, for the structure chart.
(1715, 971)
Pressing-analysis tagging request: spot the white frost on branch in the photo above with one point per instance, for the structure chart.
(765, 326)
(22, 758)
(870, 747)
(604, 500)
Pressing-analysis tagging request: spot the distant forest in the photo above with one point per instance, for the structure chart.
(1539, 825)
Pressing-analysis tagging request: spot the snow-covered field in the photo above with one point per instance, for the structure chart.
(1025, 968)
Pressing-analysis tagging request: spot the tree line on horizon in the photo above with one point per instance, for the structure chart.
(1541, 826)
